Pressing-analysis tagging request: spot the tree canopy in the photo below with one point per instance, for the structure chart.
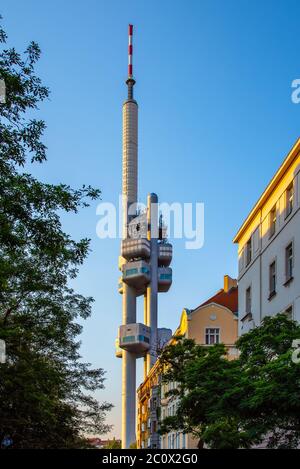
(237, 403)
(46, 390)
(113, 444)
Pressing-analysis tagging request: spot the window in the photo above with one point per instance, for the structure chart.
(289, 312)
(272, 221)
(142, 338)
(289, 199)
(248, 251)
(272, 278)
(212, 336)
(289, 262)
(144, 270)
(128, 338)
(248, 300)
(177, 445)
(165, 276)
(183, 441)
(130, 272)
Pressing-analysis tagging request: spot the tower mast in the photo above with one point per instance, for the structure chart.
(144, 263)
(129, 193)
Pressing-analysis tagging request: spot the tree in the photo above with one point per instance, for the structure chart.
(113, 444)
(44, 385)
(238, 403)
(133, 445)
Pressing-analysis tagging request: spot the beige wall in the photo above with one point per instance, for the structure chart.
(213, 316)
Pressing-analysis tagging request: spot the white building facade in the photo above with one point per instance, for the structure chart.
(269, 249)
(169, 407)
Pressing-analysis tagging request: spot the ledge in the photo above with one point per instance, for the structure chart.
(286, 216)
(272, 294)
(289, 280)
(247, 316)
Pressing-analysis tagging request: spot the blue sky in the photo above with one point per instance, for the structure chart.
(215, 121)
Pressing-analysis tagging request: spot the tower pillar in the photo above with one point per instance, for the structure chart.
(152, 235)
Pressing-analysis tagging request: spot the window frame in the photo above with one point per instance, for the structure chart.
(289, 275)
(216, 335)
(249, 251)
(289, 199)
(248, 295)
(272, 221)
(272, 279)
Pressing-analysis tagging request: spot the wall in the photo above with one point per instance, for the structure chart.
(266, 249)
(213, 316)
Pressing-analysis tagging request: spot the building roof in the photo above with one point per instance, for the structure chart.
(96, 441)
(228, 299)
(270, 187)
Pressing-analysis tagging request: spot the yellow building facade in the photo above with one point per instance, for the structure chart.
(214, 321)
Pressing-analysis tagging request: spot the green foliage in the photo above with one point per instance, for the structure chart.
(113, 444)
(44, 385)
(238, 403)
(133, 445)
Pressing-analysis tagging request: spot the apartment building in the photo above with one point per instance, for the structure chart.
(148, 410)
(213, 321)
(269, 249)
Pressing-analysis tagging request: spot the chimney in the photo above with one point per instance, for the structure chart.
(229, 283)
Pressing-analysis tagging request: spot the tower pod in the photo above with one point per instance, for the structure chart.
(165, 253)
(134, 338)
(164, 278)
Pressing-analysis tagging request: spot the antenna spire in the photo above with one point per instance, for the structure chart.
(130, 80)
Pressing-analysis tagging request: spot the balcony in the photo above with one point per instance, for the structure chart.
(164, 278)
(134, 338)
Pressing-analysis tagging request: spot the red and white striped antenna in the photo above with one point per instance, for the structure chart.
(130, 48)
(130, 80)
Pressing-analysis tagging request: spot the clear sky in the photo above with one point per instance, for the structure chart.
(215, 121)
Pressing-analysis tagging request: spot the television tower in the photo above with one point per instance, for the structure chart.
(144, 263)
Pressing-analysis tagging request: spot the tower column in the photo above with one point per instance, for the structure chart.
(128, 398)
(129, 193)
(146, 323)
(152, 235)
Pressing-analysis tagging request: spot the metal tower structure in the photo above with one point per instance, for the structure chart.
(144, 264)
